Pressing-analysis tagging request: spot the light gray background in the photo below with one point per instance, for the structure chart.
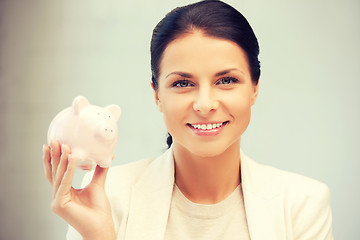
(306, 119)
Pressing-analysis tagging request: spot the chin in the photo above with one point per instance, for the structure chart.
(208, 150)
(206, 153)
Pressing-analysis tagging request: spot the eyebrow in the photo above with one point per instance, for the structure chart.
(188, 75)
(182, 74)
(227, 71)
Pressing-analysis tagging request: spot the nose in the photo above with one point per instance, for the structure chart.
(205, 101)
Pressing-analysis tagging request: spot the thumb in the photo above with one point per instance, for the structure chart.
(100, 175)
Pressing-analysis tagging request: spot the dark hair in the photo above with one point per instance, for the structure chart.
(211, 17)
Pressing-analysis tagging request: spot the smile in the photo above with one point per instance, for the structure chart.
(207, 126)
(207, 129)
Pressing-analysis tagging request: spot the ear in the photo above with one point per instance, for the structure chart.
(254, 94)
(79, 103)
(115, 110)
(157, 99)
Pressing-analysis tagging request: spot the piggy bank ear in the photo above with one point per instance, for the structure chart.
(115, 110)
(79, 103)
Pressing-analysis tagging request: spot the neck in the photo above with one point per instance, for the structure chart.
(207, 180)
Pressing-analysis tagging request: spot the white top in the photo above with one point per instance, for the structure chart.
(279, 205)
(225, 220)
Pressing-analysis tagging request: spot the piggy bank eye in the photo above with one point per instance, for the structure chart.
(109, 116)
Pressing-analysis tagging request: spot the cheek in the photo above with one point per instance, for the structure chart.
(237, 100)
(174, 109)
(239, 106)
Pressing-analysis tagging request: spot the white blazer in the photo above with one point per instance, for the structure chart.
(279, 205)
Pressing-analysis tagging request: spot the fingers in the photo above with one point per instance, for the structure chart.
(66, 180)
(100, 175)
(62, 166)
(47, 163)
(55, 153)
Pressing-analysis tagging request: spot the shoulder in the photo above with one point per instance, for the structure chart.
(122, 178)
(300, 192)
(147, 173)
(118, 187)
(273, 181)
(306, 201)
(128, 173)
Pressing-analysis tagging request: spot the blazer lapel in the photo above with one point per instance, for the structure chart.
(264, 204)
(150, 200)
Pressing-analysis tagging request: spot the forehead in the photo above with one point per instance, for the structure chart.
(198, 53)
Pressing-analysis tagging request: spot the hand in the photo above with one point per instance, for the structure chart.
(87, 210)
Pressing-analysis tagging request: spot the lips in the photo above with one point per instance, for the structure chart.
(207, 129)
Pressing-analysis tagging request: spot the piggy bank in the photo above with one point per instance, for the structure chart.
(91, 132)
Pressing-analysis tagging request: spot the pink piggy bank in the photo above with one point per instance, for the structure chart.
(89, 130)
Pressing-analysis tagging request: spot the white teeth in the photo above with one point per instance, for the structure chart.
(207, 126)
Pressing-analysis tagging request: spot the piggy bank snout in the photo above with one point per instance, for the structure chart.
(106, 132)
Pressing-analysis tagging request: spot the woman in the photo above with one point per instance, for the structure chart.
(205, 73)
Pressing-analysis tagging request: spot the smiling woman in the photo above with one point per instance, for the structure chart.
(205, 72)
(205, 81)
